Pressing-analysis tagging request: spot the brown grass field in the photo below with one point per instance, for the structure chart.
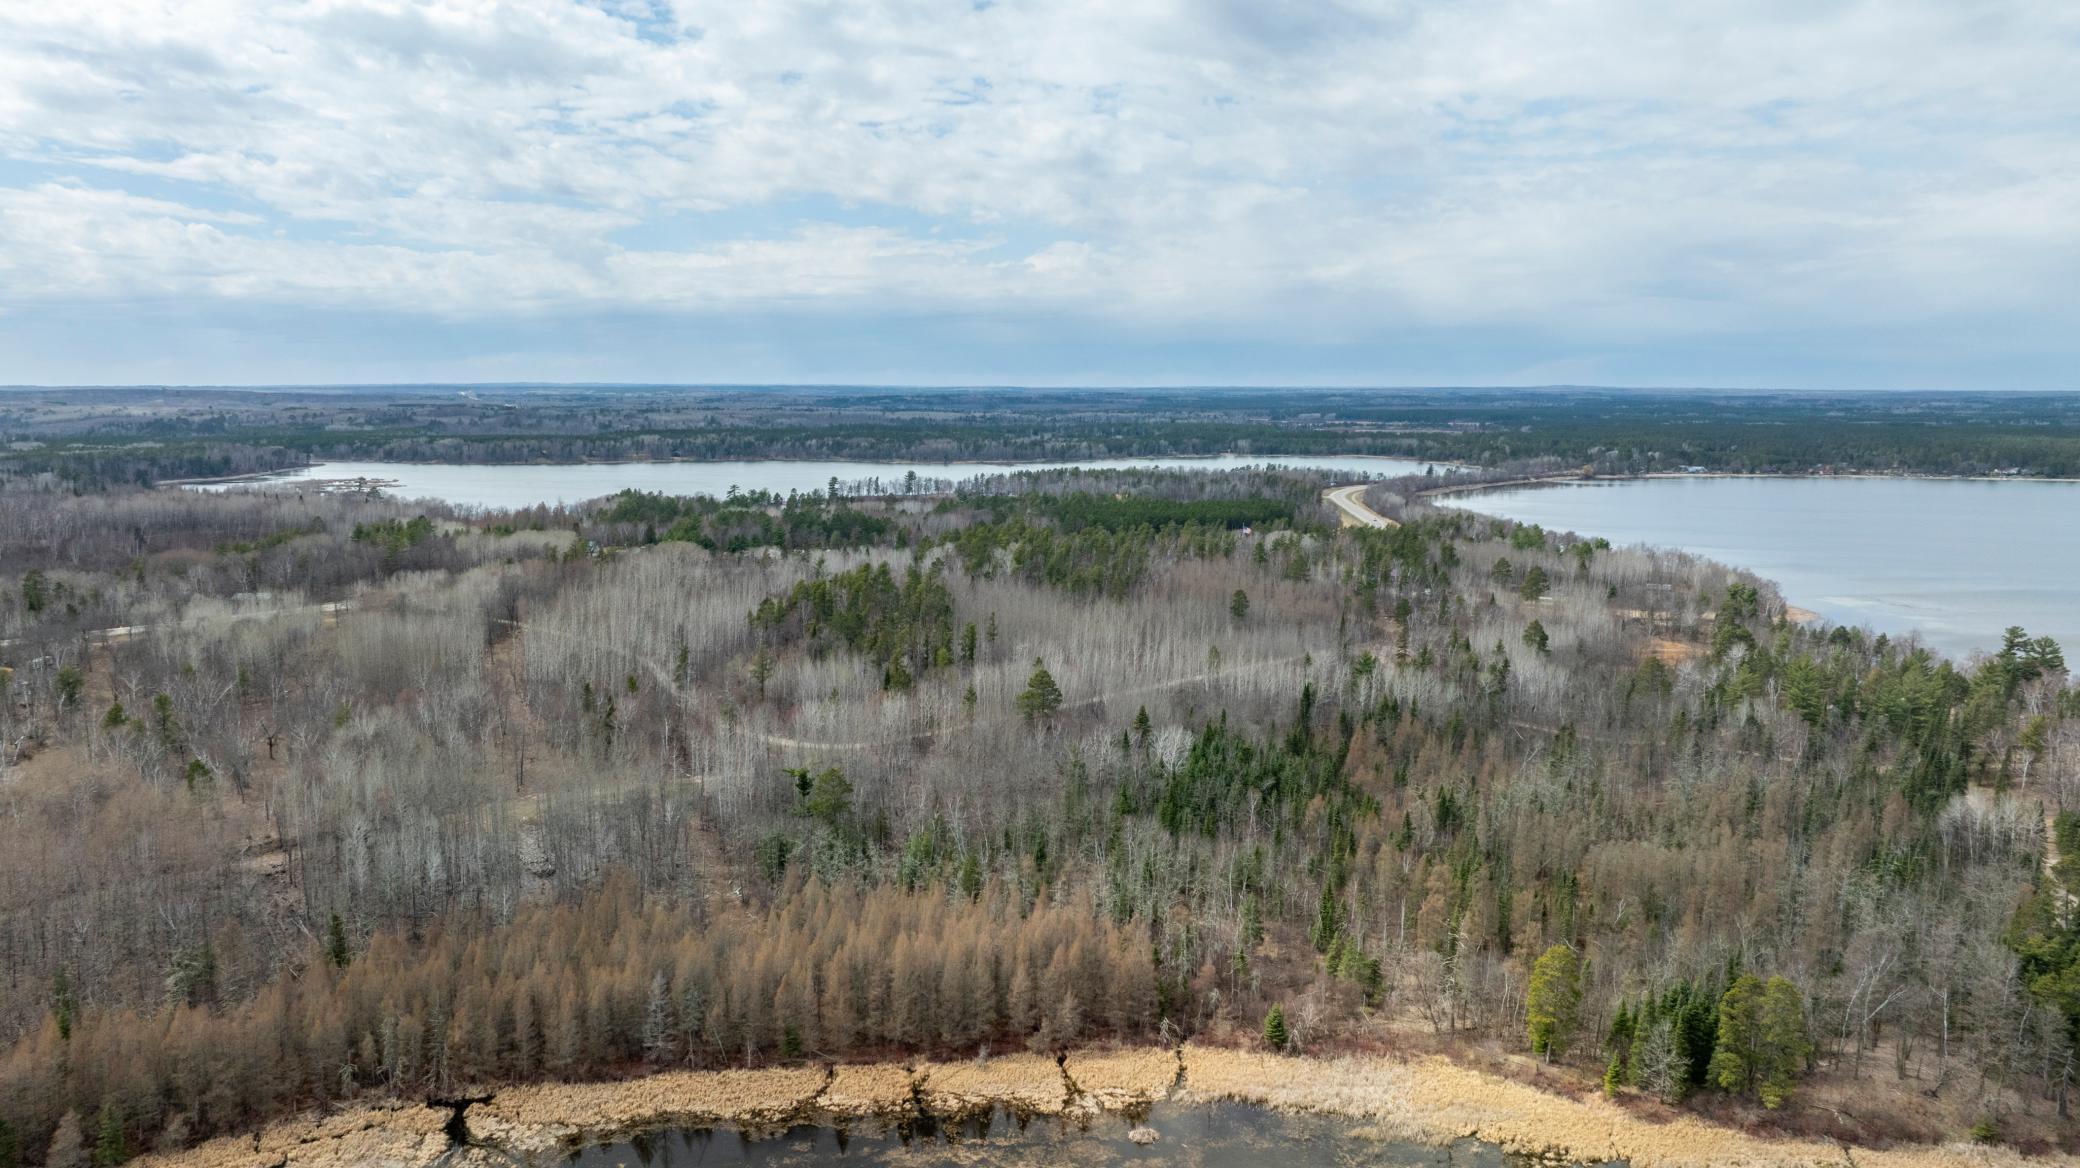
(1424, 1099)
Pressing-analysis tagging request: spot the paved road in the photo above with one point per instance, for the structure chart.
(1351, 502)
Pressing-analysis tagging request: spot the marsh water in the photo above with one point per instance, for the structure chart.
(508, 486)
(1956, 560)
(1202, 1136)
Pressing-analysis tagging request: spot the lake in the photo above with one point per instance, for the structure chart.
(1956, 560)
(525, 486)
(1203, 1136)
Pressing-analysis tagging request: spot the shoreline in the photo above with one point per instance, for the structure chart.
(1562, 479)
(260, 476)
(1429, 1100)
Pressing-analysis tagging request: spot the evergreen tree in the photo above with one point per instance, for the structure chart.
(1734, 1058)
(63, 1002)
(1275, 1035)
(1328, 923)
(1535, 637)
(110, 1145)
(336, 949)
(829, 798)
(1783, 1045)
(1535, 584)
(1042, 697)
(1238, 605)
(35, 593)
(1553, 1000)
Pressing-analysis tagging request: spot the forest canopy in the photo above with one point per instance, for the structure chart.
(372, 798)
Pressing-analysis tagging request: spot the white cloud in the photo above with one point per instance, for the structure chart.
(1616, 169)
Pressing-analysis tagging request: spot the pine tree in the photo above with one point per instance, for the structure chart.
(1553, 1000)
(1238, 605)
(1613, 1074)
(1042, 697)
(63, 1003)
(1275, 1034)
(1535, 637)
(1783, 1045)
(1327, 921)
(111, 1147)
(336, 950)
(1734, 1058)
(1535, 583)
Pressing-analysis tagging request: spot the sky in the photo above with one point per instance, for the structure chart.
(1846, 195)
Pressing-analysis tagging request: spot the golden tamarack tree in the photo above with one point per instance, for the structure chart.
(606, 985)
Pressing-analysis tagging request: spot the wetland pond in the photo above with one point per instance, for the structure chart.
(1220, 1135)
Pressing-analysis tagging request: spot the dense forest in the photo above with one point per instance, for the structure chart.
(139, 436)
(310, 797)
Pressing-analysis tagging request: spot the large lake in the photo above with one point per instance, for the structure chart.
(1957, 560)
(526, 486)
(1215, 1136)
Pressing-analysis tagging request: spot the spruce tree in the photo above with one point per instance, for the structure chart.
(1275, 1034)
(110, 1145)
(1733, 1065)
(1553, 1000)
(1782, 1046)
(1327, 921)
(336, 949)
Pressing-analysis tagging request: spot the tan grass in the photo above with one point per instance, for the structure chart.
(1429, 1100)
(1027, 1082)
(1436, 1101)
(400, 1135)
(529, 1119)
(868, 1089)
(1123, 1078)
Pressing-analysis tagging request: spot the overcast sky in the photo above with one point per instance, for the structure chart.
(1705, 192)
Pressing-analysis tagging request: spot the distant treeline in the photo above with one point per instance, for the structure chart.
(176, 435)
